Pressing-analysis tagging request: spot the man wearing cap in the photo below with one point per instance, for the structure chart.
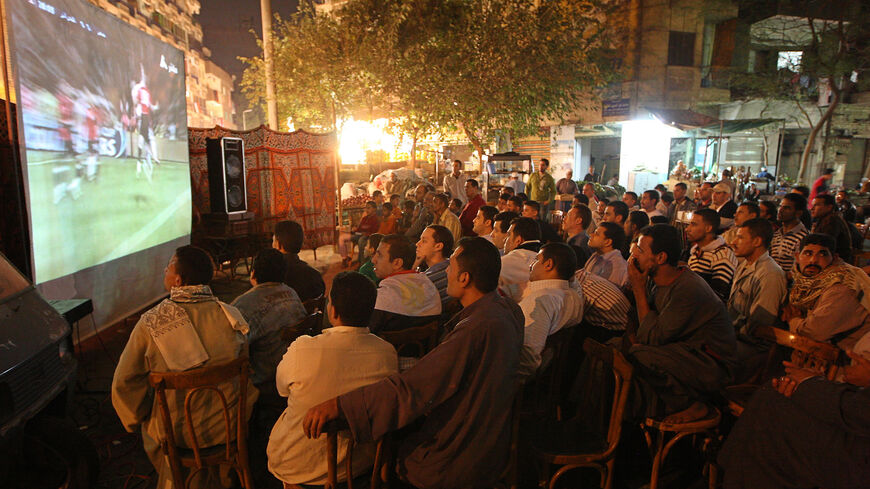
(722, 202)
(516, 184)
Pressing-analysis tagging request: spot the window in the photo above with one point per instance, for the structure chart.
(681, 48)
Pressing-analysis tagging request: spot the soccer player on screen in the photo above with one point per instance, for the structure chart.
(144, 105)
(65, 174)
(92, 131)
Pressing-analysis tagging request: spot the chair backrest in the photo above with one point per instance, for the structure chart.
(806, 353)
(382, 463)
(422, 338)
(554, 363)
(316, 304)
(310, 325)
(622, 371)
(206, 380)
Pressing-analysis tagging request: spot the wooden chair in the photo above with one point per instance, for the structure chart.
(554, 362)
(381, 469)
(661, 437)
(806, 353)
(310, 325)
(316, 304)
(562, 443)
(234, 451)
(422, 338)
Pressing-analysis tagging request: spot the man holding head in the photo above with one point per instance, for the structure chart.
(305, 280)
(454, 183)
(483, 222)
(787, 239)
(190, 329)
(710, 257)
(462, 391)
(442, 216)
(828, 221)
(829, 299)
(606, 260)
(683, 349)
(745, 211)
(347, 356)
(681, 203)
(406, 298)
(575, 223)
(434, 249)
(550, 304)
(521, 247)
(469, 212)
(542, 188)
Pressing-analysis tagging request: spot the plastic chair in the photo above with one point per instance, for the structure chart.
(572, 444)
(234, 450)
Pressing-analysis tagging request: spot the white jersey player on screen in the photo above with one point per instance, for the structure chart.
(144, 104)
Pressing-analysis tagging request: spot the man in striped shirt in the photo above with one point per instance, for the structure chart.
(787, 239)
(604, 305)
(709, 256)
(434, 249)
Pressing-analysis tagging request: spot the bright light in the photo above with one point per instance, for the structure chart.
(646, 147)
(357, 137)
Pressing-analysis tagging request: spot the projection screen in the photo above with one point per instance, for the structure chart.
(103, 133)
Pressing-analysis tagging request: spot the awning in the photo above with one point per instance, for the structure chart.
(737, 126)
(706, 125)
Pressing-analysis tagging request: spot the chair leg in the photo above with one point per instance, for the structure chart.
(657, 460)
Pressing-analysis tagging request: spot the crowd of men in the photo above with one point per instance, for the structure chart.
(682, 289)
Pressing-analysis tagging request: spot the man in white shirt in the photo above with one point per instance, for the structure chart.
(454, 183)
(550, 304)
(607, 260)
(648, 202)
(347, 356)
(516, 184)
(483, 222)
(520, 247)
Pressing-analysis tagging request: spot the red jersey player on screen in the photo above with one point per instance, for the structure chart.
(143, 107)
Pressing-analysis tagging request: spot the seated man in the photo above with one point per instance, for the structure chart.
(500, 225)
(684, 347)
(709, 256)
(305, 280)
(636, 221)
(607, 260)
(828, 221)
(190, 329)
(805, 431)
(829, 299)
(461, 392)
(615, 212)
(269, 308)
(346, 356)
(521, 248)
(604, 305)
(532, 209)
(469, 211)
(787, 239)
(575, 223)
(483, 222)
(406, 298)
(549, 304)
(649, 201)
(434, 249)
(745, 212)
(422, 211)
(442, 216)
(757, 293)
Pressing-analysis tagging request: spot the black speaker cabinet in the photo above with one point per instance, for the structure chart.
(226, 175)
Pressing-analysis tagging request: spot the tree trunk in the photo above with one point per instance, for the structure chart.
(477, 143)
(414, 151)
(811, 140)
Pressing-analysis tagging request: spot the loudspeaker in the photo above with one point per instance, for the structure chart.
(226, 175)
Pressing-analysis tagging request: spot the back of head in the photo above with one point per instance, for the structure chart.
(564, 259)
(759, 228)
(819, 239)
(193, 265)
(441, 234)
(534, 205)
(615, 233)
(620, 208)
(527, 229)
(710, 218)
(667, 197)
(353, 297)
(798, 200)
(581, 198)
(828, 171)
(828, 199)
(402, 248)
(639, 219)
(269, 266)
(290, 236)
(503, 220)
(803, 190)
(665, 239)
(375, 240)
(658, 220)
(481, 260)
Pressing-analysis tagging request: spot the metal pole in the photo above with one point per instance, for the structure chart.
(271, 102)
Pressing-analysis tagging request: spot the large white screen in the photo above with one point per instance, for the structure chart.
(104, 124)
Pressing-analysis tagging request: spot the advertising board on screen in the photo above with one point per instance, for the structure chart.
(103, 133)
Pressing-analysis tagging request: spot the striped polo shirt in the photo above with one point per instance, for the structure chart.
(437, 273)
(604, 304)
(715, 263)
(785, 244)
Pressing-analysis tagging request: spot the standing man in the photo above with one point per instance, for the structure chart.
(461, 392)
(454, 183)
(442, 216)
(607, 260)
(709, 256)
(566, 186)
(469, 212)
(820, 186)
(827, 221)
(542, 188)
(681, 203)
(591, 176)
(516, 184)
(787, 239)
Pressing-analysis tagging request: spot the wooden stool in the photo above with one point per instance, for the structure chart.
(661, 437)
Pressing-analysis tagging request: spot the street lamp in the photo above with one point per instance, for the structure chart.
(244, 120)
